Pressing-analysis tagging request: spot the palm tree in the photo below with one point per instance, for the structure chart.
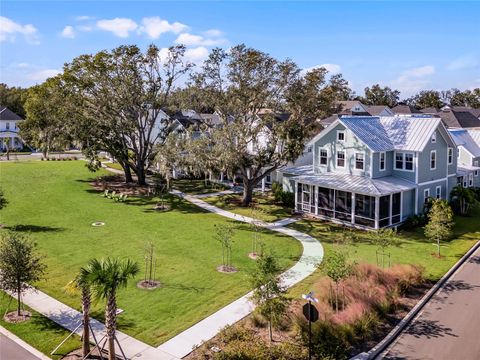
(81, 283)
(464, 198)
(106, 277)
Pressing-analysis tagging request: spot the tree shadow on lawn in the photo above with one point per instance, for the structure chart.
(34, 228)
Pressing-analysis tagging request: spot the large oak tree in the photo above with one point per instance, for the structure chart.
(119, 95)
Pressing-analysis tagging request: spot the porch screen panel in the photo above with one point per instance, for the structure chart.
(325, 201)
(384, 211)
(343, 205)
(299, 197)
(364, 210)
(396, 199)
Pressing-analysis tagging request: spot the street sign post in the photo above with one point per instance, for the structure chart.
(311, 314)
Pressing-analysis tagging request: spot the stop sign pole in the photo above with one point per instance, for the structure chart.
(311, 314)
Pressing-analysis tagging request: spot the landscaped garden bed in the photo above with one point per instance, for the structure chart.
(56, 203)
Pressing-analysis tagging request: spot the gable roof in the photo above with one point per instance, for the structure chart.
(458, 119)
(7, 114)
(464, 138)
(376, 110)
(405, 110)
(387, 133)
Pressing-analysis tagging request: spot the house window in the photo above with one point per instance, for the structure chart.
(438, 192)
(470, 179)
(465, 181)
(341, 135)
(409, 161)
(476, 172)
(434, 138)
(450, 156)
(475, 163)
(323, 157)
(399, 161)
(426, 195)
(340, 158)
(382, 161)
(309, 149)
(433, 160)
(404, 161)
(359, 161)
(7, 126)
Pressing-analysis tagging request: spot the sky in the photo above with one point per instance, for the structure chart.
(409, 46)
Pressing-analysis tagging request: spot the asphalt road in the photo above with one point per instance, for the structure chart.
(448, 328)
(10, 350)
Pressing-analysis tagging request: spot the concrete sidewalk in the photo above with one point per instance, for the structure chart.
(182, 344)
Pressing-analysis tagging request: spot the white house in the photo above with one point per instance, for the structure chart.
(9, 129)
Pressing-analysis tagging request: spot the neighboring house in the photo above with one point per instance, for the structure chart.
(468, 155)
(356, 108)
(9, 129)
(458, 119)
(374, 172)
(405, 110)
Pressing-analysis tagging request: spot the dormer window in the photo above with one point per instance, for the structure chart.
(434, 138)
(341, 135)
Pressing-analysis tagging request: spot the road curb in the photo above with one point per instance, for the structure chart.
(23, 344)
(395, 332)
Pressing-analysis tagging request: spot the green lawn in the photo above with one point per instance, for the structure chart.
(40, 332)
(414, 248)
(115, 165)
(268, 210)
(54, 202)
(197, 187)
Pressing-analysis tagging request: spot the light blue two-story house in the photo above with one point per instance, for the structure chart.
(468, 156)
(374, 172)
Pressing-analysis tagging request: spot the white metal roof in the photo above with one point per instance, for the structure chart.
(358, 184)
(386, 133)
(298, 170)
(464, 138)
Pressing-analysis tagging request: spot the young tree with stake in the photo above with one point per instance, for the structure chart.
(440, 222)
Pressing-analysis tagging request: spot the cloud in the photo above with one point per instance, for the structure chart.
(42, 75)
(83, 18)
(9, 29)
(68, 32)
(196, 55)
(464, 62)
(120, 27)
(332, 68)
(213, 33)
(197, 40)
(154, 27)
(414, 79)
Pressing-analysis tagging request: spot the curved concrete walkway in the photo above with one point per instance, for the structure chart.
(183, 344)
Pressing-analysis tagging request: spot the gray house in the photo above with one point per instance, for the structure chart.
(374, 172)
(468, 155)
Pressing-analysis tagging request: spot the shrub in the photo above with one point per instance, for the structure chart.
(414, 221)
(258, 320)
(287, 198)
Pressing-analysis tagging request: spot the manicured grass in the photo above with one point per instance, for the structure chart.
(116, 166)
(40, 332)
(54, 202)
(268, 210)
(414, 248)
(197, 186)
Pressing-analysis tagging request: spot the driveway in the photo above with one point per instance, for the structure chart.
(448, 327)
(10, 350)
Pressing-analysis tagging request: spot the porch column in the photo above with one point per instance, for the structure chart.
(377, 211)
(416, 200)
(390, 210)
(221, 176)
(401, 206)
(263, 185)
(316, 199)
(353, 208)
(296, 196)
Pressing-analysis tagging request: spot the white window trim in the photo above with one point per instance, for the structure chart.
(344, 159)
(363, 163)
(404, 161)
(384, 161)
(431, 153)
(450, 161)
(438, 192)
(475, 173)
(470, 180)
(426, 195)
(320, 156)
(341, 132)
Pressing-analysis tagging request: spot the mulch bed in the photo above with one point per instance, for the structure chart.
(95, 355)
(13, 318)
(149, 285)
(227, 269)
(117, 183)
